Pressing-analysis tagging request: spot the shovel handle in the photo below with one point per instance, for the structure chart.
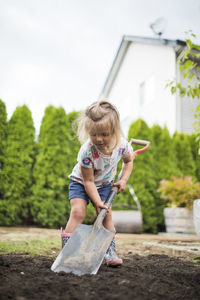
(139, 142)
(142, 143)
(114, 189)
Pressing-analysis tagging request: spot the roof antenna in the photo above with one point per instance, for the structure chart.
(158, 27)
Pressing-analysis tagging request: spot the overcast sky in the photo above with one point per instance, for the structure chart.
(59, 52)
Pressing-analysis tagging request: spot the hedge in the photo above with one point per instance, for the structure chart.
(34, 174)
(49, 207)
(16, 175)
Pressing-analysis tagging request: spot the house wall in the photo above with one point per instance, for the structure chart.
(145, 70)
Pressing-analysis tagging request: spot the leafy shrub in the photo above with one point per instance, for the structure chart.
(143, 178)
(49, 204)
(184, 155)
(3, 129)
(165, 160)
(16, 176)
(196, 156)
(180, 191)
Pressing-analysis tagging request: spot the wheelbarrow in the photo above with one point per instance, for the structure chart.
(128, 221)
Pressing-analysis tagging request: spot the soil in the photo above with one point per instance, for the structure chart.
(141, 277)
(147, 273)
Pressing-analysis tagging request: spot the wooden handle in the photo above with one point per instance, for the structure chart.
(139, 142)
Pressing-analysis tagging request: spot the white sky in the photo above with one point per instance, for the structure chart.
(59, 52)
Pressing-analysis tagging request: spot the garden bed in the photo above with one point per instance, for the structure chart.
(148, 272)
(141, 277)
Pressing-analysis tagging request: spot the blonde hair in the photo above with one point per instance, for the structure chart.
(99, 115)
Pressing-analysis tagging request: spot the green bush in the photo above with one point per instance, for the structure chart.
(50, 207)
(180, 191)
(3, 129)
(72, 143)
(165, 160)
(184, 155)
(34, 176)
(196, 157)
(165, 166)
(143, 177)
(16, 176)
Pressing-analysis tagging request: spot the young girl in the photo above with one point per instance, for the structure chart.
(92, 177)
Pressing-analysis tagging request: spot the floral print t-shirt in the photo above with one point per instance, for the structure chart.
(105, 166)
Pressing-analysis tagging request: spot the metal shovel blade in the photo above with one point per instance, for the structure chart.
(84, 251)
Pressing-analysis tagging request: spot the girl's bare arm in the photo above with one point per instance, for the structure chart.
(126, 172)
(90, 187)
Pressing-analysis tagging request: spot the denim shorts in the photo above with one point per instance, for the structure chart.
(77, 190)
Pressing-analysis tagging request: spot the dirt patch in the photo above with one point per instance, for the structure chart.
(149, 270)
(141, 277)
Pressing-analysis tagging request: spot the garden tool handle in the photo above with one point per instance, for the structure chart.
(108, 201)
(139, 142)
(142, 143)
(113, 192)
(114, 189)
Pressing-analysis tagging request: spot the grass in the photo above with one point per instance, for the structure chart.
(197, 259)
(49, 247)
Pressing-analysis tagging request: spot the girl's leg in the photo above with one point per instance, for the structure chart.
(77, 216)
(111, 257)
(107, 222)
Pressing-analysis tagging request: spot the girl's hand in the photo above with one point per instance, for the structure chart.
(100, 205)
(121, 185)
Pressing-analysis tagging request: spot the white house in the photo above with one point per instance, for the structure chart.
(137, 80)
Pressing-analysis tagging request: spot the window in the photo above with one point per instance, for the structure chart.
(147, 91)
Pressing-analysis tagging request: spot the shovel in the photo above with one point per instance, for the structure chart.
(85, 250)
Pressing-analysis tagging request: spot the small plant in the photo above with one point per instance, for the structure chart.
(189, 65)
(197, 259)
(180, 191)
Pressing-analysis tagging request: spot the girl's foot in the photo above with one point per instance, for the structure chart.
(111, 258)
(64, 237)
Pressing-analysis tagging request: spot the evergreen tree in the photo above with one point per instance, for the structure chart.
(196, 157)
(16, 177)
(143, 177)
(73, 145)
(3, 128)
(3, 133)
(184, 156)
(156, 131)
(165, 166)
(165, 159)
(50, 206)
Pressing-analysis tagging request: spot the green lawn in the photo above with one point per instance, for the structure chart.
(48, 247)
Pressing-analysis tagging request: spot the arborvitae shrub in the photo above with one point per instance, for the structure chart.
(3, 132)
(164, 166)
(143, 177)
(3, 129)
(73, 145)
(165, 160)
(196, 157)
(184, 156)
(156, 131)
(50, 205)
(16, 176)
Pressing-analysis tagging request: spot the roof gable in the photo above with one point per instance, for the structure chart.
(178, 46)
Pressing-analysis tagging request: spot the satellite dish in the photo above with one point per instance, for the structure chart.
(159, 26)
